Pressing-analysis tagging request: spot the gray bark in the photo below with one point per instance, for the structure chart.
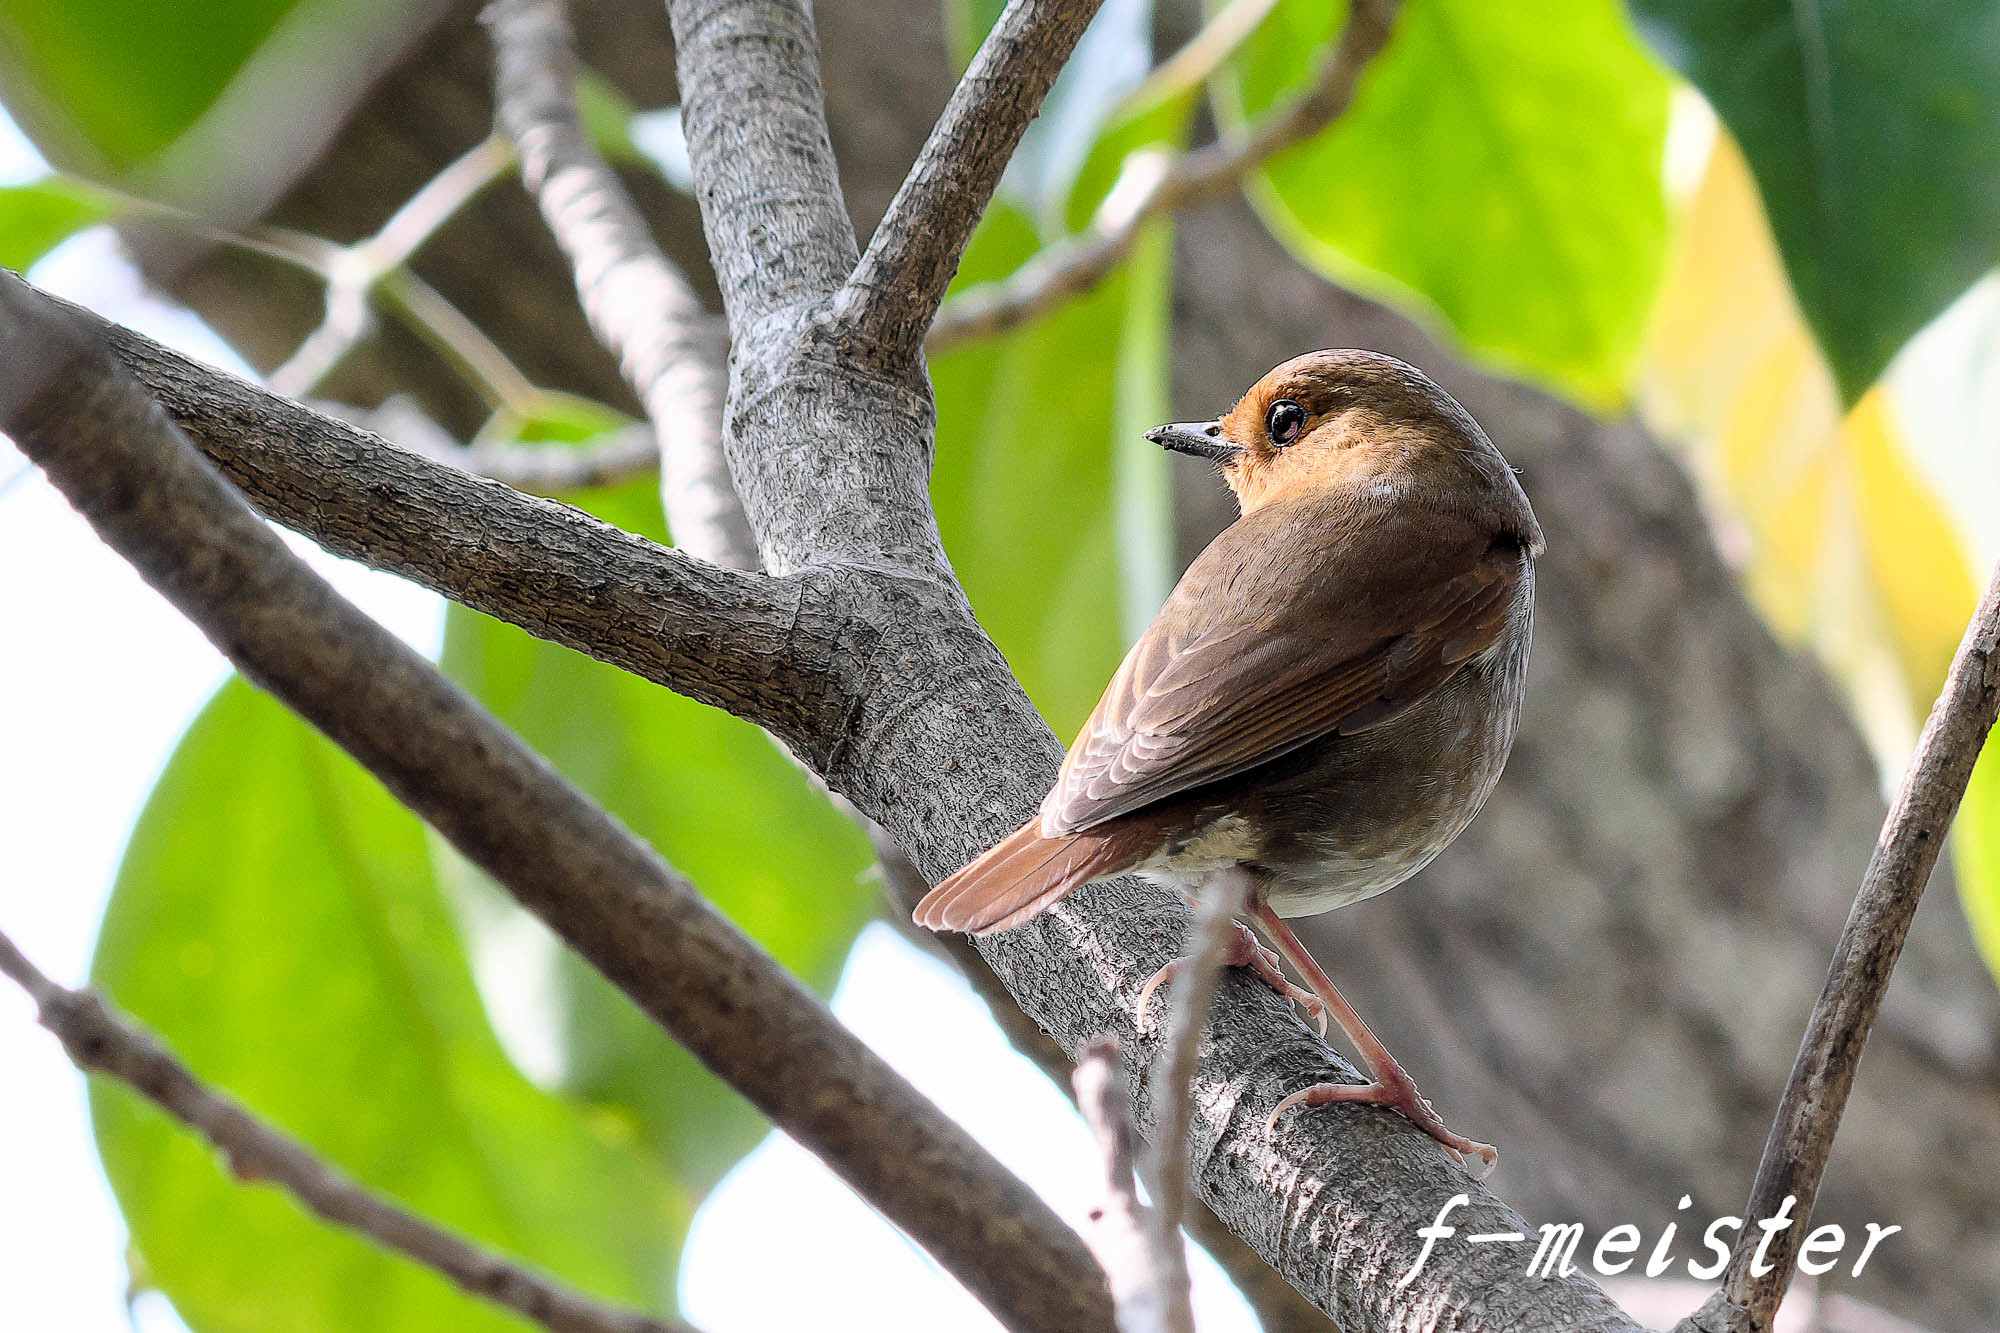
(1608, 974)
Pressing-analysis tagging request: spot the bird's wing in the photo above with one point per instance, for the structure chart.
(1244, 664)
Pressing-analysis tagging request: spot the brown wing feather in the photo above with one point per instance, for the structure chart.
(1244, 665)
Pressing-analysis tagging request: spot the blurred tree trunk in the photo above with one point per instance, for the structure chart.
(1609, 973)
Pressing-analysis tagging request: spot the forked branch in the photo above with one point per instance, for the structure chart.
(154, 500)
(888, 303)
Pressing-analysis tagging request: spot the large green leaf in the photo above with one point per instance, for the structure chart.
(37, 217)
(721, 803)
(1501, 165)
(1034, 472)
(278, 919)
(1874, 133)
(208, 106)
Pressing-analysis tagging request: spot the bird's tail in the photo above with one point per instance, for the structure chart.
(1022, 874)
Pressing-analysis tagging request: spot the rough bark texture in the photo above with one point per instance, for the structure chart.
(1608, 974)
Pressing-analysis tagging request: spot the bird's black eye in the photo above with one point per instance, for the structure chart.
(1284, 421)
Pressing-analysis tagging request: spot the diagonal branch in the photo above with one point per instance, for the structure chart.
(888, 303)
(763, 649)
(1074, 266)
(137, 481)
(638, 303)
(1808, 1115)
(99, 1041)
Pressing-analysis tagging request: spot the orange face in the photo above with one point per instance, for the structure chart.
(1335, 420)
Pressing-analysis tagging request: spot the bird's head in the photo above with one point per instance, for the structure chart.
(1345, 421)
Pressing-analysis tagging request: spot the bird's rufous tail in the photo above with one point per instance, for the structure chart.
(1022, 874)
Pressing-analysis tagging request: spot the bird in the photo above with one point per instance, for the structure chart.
(1323, 703)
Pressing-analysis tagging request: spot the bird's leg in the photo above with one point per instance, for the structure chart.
(1393, 1086)
(1245, 951)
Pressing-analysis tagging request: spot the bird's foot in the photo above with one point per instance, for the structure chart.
(1246, 951)
(1398, 1094)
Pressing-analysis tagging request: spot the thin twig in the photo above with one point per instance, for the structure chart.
(890, 301)
(353, 272)
(100, 1041)
(1148, 1281)
(1808, 1116)
(638, 303)
(1073, 266)
(145, 490)
(1194, 987)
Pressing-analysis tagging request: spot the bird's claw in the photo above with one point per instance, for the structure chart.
(1245, 951)
(1399, 1095)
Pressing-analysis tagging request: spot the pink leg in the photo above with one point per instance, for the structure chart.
(1393, 1086)
(1245, 951)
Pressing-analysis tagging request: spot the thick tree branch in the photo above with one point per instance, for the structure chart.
(102, 1042)
(755, 118)
(1808, 1116)
(764, 649)
(940, 746)
(153, 498)
(1073, 266)
(888, 304)
(639, 305)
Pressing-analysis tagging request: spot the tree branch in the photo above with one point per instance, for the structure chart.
(888, 303)
(100, 1041)
(763, 649)
(1148, 1280)
(133, 476)
(640, 306)
(1815, 1097)
(1191, 1001)
(755, 118)
(1073, 266)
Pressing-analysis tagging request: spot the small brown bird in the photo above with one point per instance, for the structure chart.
(1326, 699)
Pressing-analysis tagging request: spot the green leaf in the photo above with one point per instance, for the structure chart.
(1053, 510)
(208, 107)
(277, 918)
(1874, 133)
(1976, 855)
(37, 217)
(722, 803)
(1500, 165)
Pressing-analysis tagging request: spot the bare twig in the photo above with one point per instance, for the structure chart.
(1808, 1116)
(889, 302)
(1148, 1283)
(151, 497)
(353, 272)
(638, 303)
(102, 1042)
(1194, 988)
(1073, 266)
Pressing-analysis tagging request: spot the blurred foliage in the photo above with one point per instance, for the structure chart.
(720, 802)
(1500, 167)
(36, 218)
(1845, 539)
(1872, 129)
(278, 916)
(293, 932)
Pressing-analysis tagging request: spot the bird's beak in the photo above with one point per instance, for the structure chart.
(1203, 439)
